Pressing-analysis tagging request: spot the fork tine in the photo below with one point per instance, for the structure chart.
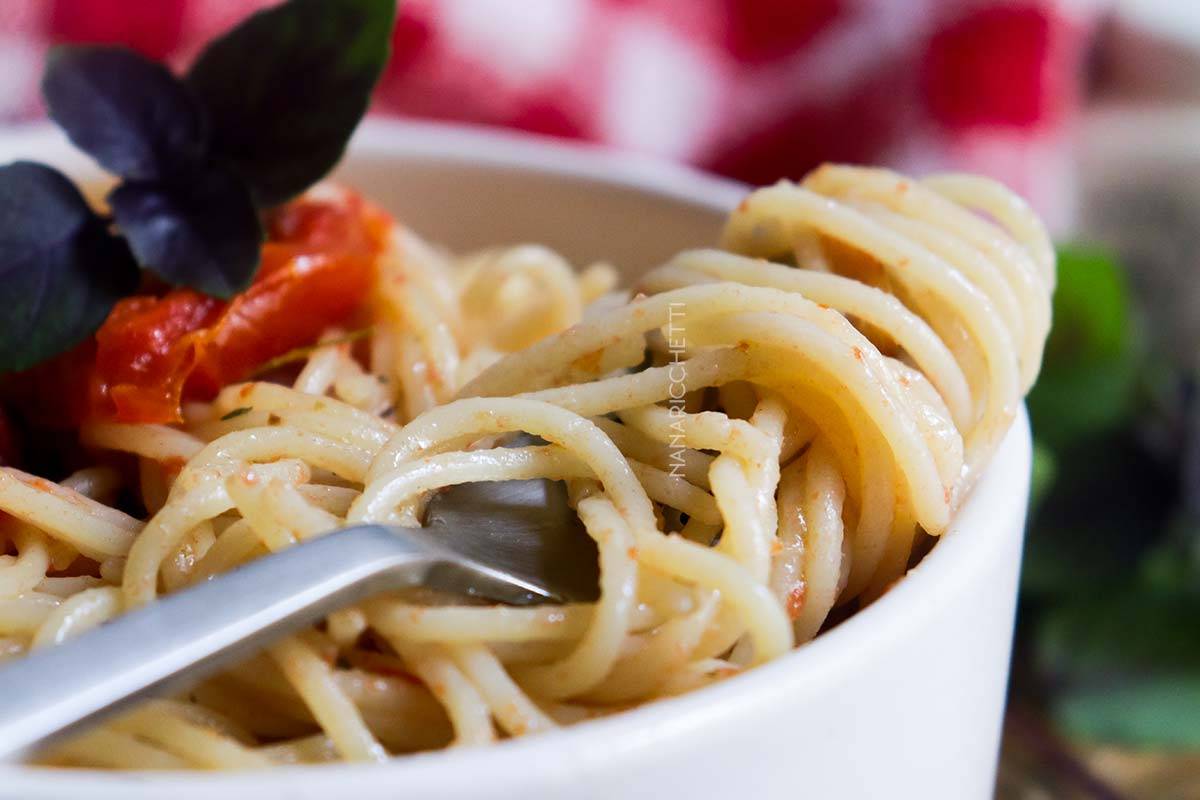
(524, 529)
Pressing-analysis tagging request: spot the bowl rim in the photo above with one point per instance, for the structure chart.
(979, 533)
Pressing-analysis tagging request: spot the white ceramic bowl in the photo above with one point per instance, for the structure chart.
(903, 700)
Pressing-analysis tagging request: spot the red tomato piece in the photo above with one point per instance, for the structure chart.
(316, 270)
(155, 351)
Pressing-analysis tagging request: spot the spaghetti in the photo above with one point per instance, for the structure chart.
(757, 437)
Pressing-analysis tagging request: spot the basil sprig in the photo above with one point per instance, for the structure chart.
(187, 217)
(304, 73)
(265, 112)
(51, 244)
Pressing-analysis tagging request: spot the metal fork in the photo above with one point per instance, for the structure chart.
(515, 542)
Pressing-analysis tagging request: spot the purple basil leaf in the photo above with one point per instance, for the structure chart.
(129, 113)
(61, 270)
(286, 88)
(203, 232)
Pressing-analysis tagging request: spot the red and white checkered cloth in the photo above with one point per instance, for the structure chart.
(754, 89)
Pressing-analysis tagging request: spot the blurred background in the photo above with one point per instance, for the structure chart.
(1090, 108)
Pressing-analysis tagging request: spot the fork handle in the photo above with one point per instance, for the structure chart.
(182, 637)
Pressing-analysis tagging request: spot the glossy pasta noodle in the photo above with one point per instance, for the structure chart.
(758, 437)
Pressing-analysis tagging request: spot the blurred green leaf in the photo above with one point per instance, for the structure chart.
(1110, 611)
(1154, 712)
(1091, 306)
(1126, 631)
(1173, 564)
(1108, 503)
(1125, 666)
(1045, 466)
(1090, 367)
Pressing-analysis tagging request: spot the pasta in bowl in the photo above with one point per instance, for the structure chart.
(762, 439)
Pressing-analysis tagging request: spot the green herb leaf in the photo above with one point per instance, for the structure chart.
(61, 270)
(300, 353)
(286, 88)
(129, 113)
(237, 412)
(204, 234)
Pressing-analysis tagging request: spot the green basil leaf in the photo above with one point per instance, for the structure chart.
(203, 233)
(61, 270)
(287, 87)
(129, 113)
